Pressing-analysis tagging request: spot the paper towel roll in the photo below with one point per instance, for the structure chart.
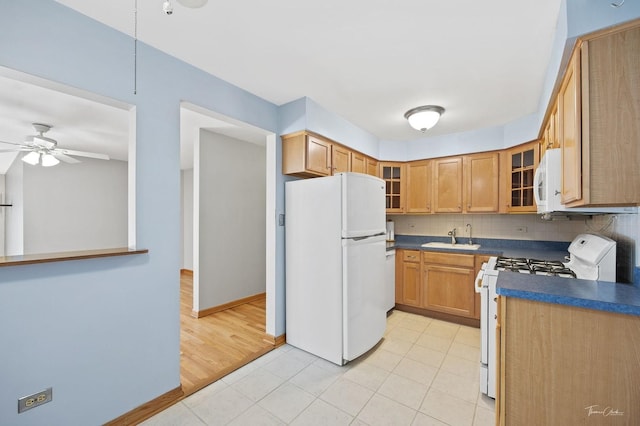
(390, 232)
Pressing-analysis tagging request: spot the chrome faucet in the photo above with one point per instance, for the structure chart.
(469, 231)
(452, 234)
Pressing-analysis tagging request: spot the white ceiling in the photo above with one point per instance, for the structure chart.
(87, 122)
(368, 61)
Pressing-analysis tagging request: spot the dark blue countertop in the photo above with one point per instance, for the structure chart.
(548, 250)
(599, 295)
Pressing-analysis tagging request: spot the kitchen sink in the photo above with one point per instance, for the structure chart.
(452, 246)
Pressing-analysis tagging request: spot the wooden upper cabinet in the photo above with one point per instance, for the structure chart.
(394, 176)
(447, 191)
(419, 186)
(599, 115)
(305, 155)
(569, 110)
(358, 163)
(340, 159)
(318, 156)
(521, 163)
(372, 167)
(549, 137)
(482, 182)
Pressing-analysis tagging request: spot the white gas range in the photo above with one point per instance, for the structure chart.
(591, 257)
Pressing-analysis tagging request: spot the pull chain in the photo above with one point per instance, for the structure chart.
(135, 47)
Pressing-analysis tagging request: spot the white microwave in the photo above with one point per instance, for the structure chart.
(547, 189)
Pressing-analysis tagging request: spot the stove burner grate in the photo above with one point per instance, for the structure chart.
(534, 266)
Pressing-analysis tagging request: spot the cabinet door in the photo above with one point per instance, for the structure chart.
(449, 289)
(358, 163)
(372, 167)
(522, 162)
(419, 184)
(399, 274)
(570, 135)
(610, 114)
(448, 185)
(482, 182)
(340, 157)
(318, 156)
(411, 288)
(393, 175)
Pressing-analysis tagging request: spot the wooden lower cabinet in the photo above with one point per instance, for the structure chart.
(437, 284)
(564, 365)
(448, 281)
(410, 290)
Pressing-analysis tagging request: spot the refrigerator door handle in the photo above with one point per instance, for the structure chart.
(365, 237)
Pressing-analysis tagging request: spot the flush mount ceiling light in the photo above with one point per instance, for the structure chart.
(194, 4)
(424, 117)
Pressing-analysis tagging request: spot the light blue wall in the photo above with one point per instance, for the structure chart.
(306, 114)
(104, 333)
(585, 16)
(325, 122)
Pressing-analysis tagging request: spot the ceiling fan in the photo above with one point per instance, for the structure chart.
(44, 150)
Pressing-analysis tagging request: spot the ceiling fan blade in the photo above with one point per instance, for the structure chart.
(21, 145)
(81, 153)
(15, 150)
(65, 158)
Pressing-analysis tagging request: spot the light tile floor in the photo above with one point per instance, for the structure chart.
(424, 372)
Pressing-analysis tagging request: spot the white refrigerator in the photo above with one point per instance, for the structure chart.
(335, 265)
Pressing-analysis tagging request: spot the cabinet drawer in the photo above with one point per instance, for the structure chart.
(461, 260)
(411, 255)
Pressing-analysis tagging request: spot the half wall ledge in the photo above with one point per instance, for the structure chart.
(29, 259)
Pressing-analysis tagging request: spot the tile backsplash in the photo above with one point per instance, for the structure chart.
(622, 228)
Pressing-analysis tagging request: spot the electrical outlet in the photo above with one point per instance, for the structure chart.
(522, 229)
(35, 400)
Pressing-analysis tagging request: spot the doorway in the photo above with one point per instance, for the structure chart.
(224, 256)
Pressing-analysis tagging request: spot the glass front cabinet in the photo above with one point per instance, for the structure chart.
(394, 175)
(522, 162)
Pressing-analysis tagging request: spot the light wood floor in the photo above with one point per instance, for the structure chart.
(213, 346)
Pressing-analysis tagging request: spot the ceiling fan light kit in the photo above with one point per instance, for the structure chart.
(32, 158)
(49, 160)
(45, 151)
(424, 117)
